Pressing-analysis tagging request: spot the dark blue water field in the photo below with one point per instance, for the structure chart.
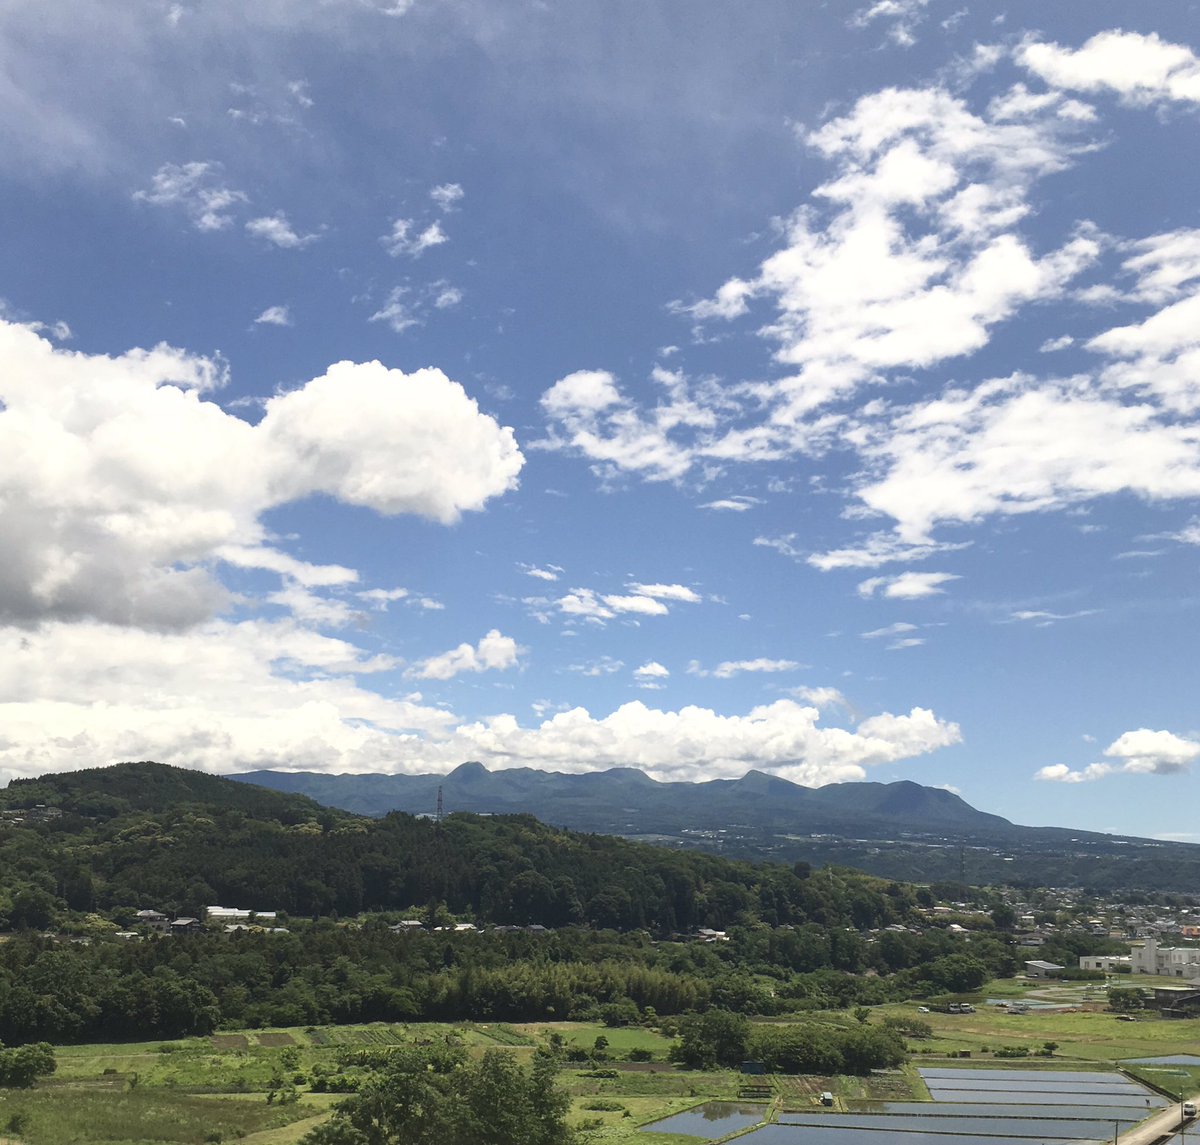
(806, 1135)
(1134, 1111)
(1003, 1073)
(1035, 1127)
(1004, 1085)
(713, 1119)
(1144, 1098)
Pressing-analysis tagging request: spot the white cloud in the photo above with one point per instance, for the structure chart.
(897, 629)
(550, 574)
(1147, 752)
(1017, 445)
(697, 743)
(1141, 69)
(311, 608)
(651, 670)
(1140, 752)
(219, 696)
(398, 311)
(123, 483)
(877, 549)
(223, 697)
(919, 258)
(447, 195)
(1158, 358)
(1044, 619)
(405, 239)
(1061, 773)
(732, 504)
(195, 187)
(303, 573)
(906, 586)
(582, 602)
(494, 652)
(1189, 534)
(1165, 264)
(588, 414)
(380, 598)
(821, 697)
(274, 316)
(646, 605)
(1052, 345)
(447, 296)
(904, 15)
(392, 442)
(676, 592)
(597, 608)
(605, 666)
(727, 669)
(276, 230)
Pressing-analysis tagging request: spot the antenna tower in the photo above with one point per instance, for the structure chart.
(440, 814)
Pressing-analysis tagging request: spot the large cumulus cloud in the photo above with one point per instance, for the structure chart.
(123, 481)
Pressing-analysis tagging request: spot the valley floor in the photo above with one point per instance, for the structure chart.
(263, 1087)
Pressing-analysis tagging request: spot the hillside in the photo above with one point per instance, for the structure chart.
(104, 792)
(899, 830)
(145, 835)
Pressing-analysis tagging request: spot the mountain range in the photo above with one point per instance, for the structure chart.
(625, 800)
(900, 830)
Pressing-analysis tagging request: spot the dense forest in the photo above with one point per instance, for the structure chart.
(81, 854)
(143, 835)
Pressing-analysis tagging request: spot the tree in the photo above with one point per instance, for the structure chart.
(717, 1037)
(1004, 917)
(494, 1101)
(22, 1066)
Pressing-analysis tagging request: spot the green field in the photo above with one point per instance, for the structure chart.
(203, 1090)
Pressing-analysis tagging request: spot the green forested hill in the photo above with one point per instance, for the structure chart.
(102, 792)
(81, 854)
(144, 835)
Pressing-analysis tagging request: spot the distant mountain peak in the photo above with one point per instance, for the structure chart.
(470, 771)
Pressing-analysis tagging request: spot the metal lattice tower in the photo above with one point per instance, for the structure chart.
(440, 814)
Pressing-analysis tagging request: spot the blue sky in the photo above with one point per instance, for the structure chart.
(693, 386)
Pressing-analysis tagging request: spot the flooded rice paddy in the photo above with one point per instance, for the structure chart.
(969, 1107)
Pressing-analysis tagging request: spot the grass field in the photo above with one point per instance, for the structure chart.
(203, 1090)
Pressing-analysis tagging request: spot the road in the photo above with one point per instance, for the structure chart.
(1162, 1124)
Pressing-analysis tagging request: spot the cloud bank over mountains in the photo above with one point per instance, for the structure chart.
(849, 412)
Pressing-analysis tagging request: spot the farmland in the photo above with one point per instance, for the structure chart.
(211, 1089)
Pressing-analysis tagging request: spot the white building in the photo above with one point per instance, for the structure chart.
(1148, 957)
(1109, 963)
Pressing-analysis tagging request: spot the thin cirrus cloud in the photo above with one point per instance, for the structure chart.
(276, 230)
(727, 669)
(197, 188)
(274, 316)
(906, 586)
(408, 238)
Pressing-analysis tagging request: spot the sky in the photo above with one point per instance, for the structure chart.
(692, 386)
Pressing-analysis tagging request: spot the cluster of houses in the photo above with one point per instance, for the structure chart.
(232, 919)
(19, 816)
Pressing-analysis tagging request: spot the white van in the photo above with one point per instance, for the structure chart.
(1189, 1109)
